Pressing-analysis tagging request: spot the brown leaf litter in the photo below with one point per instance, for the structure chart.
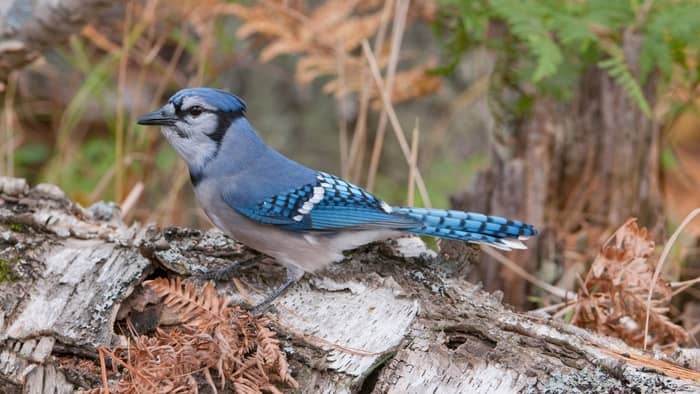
(222, 344)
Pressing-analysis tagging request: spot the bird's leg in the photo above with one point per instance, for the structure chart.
(293, 275)
(226, 273)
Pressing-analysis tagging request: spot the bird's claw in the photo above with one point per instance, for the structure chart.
(226, 273)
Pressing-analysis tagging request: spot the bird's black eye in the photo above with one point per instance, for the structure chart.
(195, 111)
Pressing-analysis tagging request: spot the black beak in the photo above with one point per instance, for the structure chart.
(157, 118)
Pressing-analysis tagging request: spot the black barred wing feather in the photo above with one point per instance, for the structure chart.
(328, 204)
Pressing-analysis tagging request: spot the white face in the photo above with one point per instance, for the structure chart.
(194, 132)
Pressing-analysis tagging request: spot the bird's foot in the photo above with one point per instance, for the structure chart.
(226, 273)
(293, 276)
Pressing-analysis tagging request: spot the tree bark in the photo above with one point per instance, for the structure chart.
(575, 169)
(27, 27)
(394, 317)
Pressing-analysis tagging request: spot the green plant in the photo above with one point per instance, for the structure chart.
(16, 227)
(556, 41)
(6, 274)
(86, 140)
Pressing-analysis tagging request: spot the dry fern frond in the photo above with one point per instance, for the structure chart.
(412, 84)
(613, 298)
(214, 339)
(327, 39)
(195, 309)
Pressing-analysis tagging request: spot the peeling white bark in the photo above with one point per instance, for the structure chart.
(329, 310)
(392, 318)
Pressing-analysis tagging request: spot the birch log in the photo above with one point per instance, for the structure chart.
(393, 318)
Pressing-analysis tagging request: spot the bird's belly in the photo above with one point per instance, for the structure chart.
(289, 248)
(310, 251)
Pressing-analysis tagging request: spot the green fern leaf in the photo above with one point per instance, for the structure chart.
(617, 68)
(549, 56)
(526, 21)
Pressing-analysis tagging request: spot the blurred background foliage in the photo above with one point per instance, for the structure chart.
(69, 118)
(453, 70)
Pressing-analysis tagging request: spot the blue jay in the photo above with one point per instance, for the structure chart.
(303, 218)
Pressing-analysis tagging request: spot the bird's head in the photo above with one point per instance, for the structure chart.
(195, 122)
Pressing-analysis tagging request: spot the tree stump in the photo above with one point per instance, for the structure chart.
(574, 169)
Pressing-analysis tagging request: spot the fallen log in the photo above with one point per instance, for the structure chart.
(393, 317)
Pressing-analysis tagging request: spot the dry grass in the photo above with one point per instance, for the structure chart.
(132, 58)
(327, 40)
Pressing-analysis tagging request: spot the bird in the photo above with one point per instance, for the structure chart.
(303, 218)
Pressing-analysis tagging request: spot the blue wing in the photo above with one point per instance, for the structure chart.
(327, 204)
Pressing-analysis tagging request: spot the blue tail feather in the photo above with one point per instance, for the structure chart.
(469, 226)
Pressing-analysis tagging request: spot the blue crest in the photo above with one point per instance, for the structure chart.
(221, 99)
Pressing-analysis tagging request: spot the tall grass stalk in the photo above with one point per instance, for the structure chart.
(340, 102)
(7, 163)
(119, 121)
(413, 165)
(397, 31)
(394, 120)
(359, 138)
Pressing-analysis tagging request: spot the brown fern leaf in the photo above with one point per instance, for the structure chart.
(411, 84)
(614, 296)
(269, 345)
(350, 34)
(327, 39)
(332, 12)
(199, 310)
(214, 337)
(270, 355)
(157, 364)
(246, 386)
(271, 389)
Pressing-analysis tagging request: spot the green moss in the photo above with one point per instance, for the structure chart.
(17, 228)
(6, 274)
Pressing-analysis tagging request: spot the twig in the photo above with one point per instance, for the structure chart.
(131, 198)
(7, 166)
(660, 264)
(563, 311)
(168, 208)
(683, 286)
(395, 124)
(396, 38)
(553, 307)
(359, 136)
(285, 8)
(121, 90)
(510, 264)
(413, 166)
(147, 16)
(103, 370)
(342, 123)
